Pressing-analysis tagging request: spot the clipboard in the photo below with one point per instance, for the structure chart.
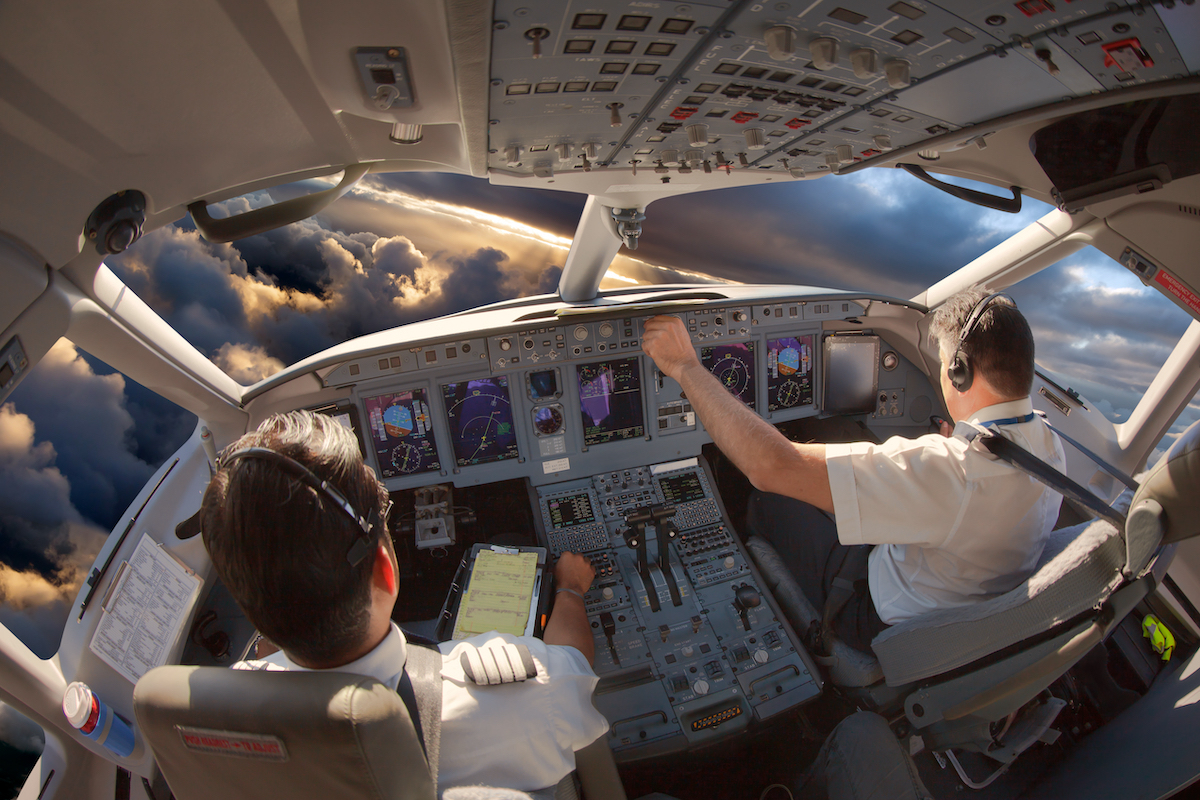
(496, 588)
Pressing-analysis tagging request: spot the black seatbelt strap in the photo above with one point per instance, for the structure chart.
(420, 688)
(840, 593)
(1038, 469)
(1109, 468)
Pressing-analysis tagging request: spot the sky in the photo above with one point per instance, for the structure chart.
(78, 441)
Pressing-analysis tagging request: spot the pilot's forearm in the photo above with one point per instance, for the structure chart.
(762, 453)
(568, 625)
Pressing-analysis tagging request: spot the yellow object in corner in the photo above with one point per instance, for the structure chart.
(1159, 635)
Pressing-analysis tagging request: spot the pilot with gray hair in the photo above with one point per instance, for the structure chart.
(922, 524)
(296, 525)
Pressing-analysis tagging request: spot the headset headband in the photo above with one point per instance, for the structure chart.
(362, 543)
(977, 314)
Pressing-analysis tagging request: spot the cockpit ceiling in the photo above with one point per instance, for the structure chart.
(799, 88)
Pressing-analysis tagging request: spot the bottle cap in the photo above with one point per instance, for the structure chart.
(78, 704)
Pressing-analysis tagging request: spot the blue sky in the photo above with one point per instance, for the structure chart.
(77, 442)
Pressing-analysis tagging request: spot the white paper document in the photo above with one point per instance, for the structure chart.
(144, 610)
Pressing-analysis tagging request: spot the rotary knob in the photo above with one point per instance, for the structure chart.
(688, 651)
(506, 344)
(761, 656)
(606, 329)
(728, 562)
(607, 593)
(580, 333)
(700, 687)
(739, 316)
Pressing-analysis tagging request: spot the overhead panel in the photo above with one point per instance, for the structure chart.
(799, 87)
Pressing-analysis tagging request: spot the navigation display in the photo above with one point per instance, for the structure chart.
(402, 433)
(610, 400)
(733, 364)
(789, 372)
(684, 488)
(575, 509)
(481, 421)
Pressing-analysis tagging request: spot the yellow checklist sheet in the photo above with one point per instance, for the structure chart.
(499, 594)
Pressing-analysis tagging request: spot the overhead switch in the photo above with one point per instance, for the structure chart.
(512, 155)
(697, 135)
(564, 151)
(898, 73)
(781, 42)
(824, 51)
(756, 138)
(693, 158)
(845, 155)
(670, 158)
(589, 149)
(614, 119)
(864, 61)
(882, 141)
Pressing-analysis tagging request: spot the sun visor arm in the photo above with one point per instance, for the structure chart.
(261, 220)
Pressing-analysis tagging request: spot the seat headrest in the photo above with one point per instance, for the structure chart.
(1174, 483)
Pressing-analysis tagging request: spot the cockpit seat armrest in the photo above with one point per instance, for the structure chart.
(246, 735)
(845, 665)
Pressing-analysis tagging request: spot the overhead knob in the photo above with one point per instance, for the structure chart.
(564, 151)
(700, 687)
(512, 155)
(761, 656)
(882, 141)
(756, 138)
(845, 155)
(831, 161)
(781, 42)
(614, 119)
(898, 73)
(824, 51)
(693, 158)
(589, 149)
(697, 135)
(670, 158)
(864, 62)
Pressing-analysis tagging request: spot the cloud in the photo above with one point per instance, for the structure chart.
(46, 547)
(19, 731)
(246, 364)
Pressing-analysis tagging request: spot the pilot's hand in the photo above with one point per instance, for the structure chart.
(573, 571)
(666, 340)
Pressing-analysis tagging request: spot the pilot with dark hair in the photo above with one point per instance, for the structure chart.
(319, 578)
(947, 523)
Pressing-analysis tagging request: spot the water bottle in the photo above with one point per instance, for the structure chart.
(95, 720)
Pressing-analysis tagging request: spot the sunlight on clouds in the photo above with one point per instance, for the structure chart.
(246, 364)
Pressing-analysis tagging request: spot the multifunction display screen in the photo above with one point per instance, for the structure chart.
(851, 374)
(402, 433)
(481, 421)
(679, 489)
(733, 364)
(610, 400)
(575, 509)
(789, 372)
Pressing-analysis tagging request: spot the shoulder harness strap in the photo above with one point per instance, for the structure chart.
(421, 687)
(497, 663)
(1038, 469)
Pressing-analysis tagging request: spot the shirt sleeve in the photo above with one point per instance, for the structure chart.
(920, 481)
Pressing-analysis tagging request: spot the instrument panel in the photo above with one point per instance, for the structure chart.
(578, 397)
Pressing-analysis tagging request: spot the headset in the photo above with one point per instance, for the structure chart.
(961, 372)
(363, 541)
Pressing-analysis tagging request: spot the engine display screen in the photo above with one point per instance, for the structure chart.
(851, 374)
(402, 433)
(678, 489)
(480, 416)
(575, 509)
(610, 400)
(733, 364)
(789, 372)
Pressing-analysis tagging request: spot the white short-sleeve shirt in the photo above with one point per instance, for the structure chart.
(953, 523)
(514, 736)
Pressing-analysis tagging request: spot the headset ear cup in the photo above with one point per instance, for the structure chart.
(960, 372)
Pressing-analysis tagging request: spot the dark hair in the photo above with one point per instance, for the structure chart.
(1000, 346)
(280, 546)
